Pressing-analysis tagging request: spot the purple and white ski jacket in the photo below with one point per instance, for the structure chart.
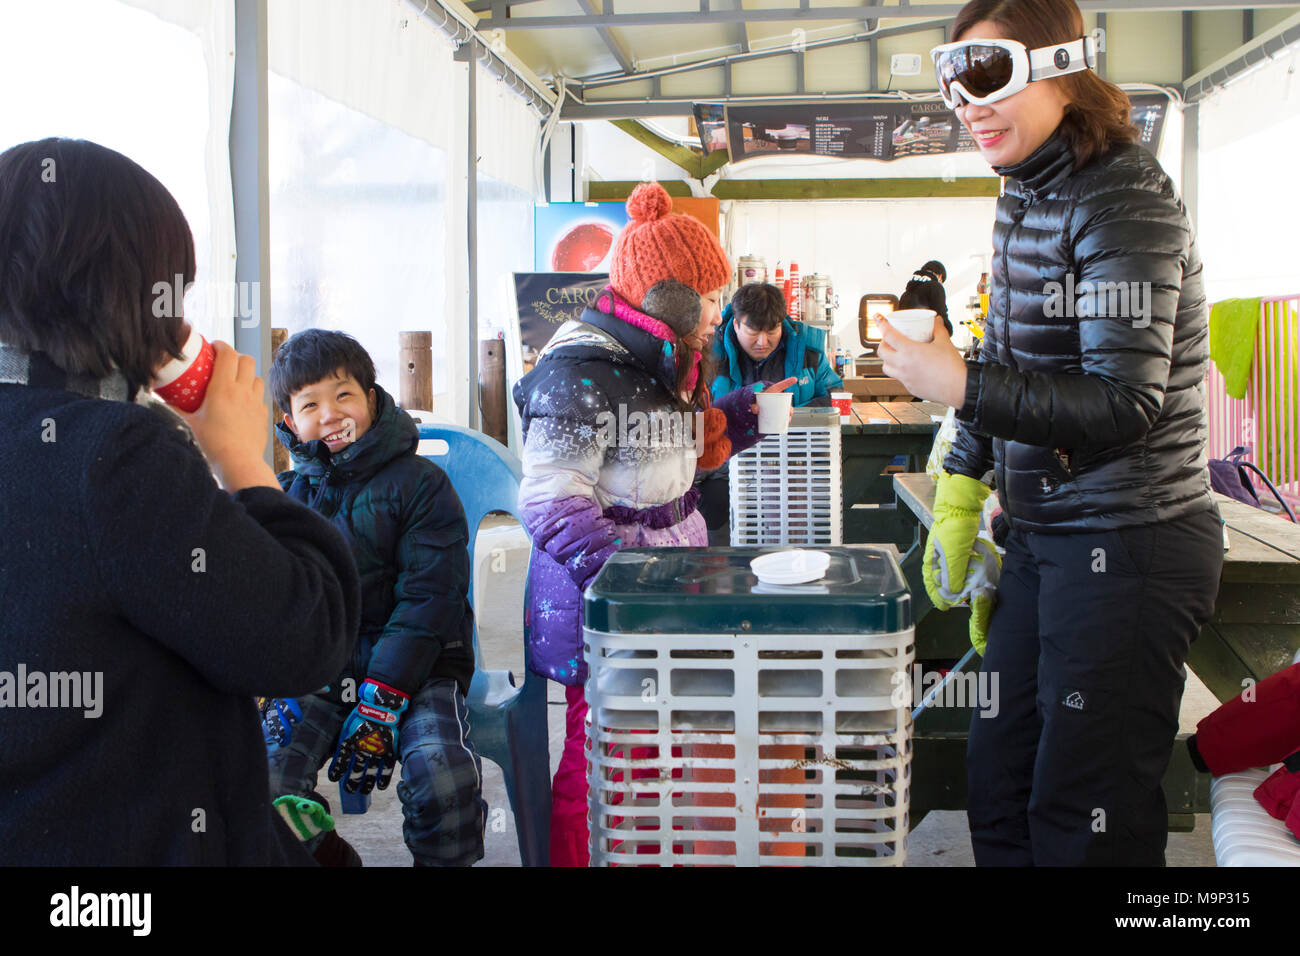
(608, 463)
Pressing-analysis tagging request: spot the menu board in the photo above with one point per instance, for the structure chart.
(869, 130)
(884, 130)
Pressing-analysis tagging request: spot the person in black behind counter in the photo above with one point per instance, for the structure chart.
(925, 291)
(145, 606)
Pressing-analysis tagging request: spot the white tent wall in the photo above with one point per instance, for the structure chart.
(377, 243)
(1249, 138)
(127, 47)
(367, 231)
(508, 138)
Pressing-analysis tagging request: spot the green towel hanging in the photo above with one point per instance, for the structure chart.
(1232, 341)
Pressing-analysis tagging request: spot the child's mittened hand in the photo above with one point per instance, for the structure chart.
(780, 386)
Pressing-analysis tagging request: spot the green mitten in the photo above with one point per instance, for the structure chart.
(981, 613)
(957, 504)
(306, 818)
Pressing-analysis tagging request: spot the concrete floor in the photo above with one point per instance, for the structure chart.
(942, 839)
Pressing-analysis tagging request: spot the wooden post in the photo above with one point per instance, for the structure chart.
(416, 391)
(492, 388)
(280, 460)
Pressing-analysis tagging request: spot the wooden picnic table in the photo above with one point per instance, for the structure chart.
(877, 434)
(1254, 632)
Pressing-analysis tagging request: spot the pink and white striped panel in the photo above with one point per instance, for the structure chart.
(1267, 420)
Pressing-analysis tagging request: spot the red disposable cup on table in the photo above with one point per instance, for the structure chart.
(843, 402)
(182, 383)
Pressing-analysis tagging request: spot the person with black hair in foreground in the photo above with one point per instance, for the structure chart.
(144, 605)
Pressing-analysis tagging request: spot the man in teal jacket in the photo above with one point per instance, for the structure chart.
(759, 342)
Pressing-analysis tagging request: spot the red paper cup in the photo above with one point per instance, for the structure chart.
(844, 402)
(182, 383)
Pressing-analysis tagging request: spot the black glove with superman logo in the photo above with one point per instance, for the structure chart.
(367, 750)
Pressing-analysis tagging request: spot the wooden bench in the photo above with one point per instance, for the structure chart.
(1254, 632)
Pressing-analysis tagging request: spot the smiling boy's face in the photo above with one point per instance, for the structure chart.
(334, 409)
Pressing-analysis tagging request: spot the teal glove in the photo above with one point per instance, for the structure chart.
(957, 504)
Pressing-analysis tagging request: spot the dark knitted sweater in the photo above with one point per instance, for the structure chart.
(119, 555)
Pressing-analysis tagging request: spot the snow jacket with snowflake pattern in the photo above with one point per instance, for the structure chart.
(608, 463)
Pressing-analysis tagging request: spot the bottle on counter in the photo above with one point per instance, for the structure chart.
(795, 296)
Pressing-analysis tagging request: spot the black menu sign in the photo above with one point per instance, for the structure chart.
(871, 129)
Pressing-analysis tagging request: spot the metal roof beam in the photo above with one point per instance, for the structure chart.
(1263, 47)
(871, 11)
(483, 6)
(642, 108)
(605, 79)
(612, 43)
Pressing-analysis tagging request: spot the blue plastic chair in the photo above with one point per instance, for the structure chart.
(507, 722)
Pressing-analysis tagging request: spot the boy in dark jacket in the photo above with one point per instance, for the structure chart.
(402, 696)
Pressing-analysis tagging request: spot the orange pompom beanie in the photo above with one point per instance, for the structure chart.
(659, 244)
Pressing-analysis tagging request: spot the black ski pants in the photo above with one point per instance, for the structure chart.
(1089, 640)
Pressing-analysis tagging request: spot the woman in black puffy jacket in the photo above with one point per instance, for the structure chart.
(1086, 405)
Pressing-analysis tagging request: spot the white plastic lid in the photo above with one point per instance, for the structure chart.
(795, 566)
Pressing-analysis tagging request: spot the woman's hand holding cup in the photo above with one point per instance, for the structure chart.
(931, 369)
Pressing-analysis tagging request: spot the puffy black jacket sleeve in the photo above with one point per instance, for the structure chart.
(1130, 246)
(432, 587)
(972, 451)
(258, 593)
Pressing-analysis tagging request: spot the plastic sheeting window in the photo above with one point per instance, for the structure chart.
(1247, 204)
(357, 228)
(505, 246)
(123, 78)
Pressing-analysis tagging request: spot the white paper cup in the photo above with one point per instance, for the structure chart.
(916, 324)
(774, 412)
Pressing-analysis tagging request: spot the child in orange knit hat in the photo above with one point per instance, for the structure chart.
(617, 420)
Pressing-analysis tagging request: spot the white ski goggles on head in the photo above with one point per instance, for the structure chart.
(985, 71)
